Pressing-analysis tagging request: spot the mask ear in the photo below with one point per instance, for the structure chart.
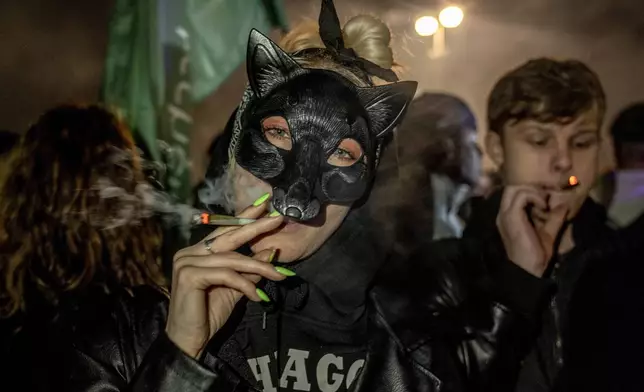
(386, 104)
(267, 65)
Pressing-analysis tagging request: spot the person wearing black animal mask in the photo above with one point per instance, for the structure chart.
(308, 135)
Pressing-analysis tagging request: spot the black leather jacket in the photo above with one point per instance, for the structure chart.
(544, 368)
(452, 325)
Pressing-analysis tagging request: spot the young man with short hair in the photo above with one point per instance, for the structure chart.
(544, 122)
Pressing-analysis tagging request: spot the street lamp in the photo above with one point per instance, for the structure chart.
(449, 18)
(426, 26)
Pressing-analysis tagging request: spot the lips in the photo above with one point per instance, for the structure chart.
(290, 225)
(571, 183)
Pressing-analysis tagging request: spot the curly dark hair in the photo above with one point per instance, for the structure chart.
(50, 245)
(545, 90)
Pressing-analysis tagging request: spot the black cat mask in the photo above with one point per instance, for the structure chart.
(311, 134)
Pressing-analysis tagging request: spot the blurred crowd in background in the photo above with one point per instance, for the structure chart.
(170, 79)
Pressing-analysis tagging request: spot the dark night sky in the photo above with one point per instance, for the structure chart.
(52, 50)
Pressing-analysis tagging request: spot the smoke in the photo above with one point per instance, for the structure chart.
(230, 187)
(145, 201)
(218, 191)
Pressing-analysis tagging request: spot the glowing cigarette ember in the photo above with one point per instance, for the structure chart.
(573, 180)
(572, 183)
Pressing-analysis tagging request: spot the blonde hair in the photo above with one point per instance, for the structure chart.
(368, 36)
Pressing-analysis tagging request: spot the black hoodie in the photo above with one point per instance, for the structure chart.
(313, 332)
(311, 337)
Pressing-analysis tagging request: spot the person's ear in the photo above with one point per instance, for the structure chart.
(494, 147)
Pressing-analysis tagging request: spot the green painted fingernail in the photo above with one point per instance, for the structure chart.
(285, 271)
(263, 295)
(274, 214)
(261, 200)
(272, 256)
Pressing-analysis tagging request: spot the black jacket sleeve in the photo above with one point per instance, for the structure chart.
(477, 311)
(128, 350)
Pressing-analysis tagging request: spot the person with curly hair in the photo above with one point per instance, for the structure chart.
(58, 251)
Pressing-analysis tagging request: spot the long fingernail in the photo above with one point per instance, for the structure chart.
(261, 200)
(285, 271)
(274, 214)
(272, 256)
(263, 295)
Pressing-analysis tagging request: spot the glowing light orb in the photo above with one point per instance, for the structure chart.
(451, 17)
(426, 26)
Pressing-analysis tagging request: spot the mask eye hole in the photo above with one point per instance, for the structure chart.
(347, 153)
(276, 131)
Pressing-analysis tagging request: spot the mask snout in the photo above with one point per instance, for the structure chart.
(298, 203)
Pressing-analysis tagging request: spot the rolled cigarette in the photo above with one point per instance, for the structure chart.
(205, 218)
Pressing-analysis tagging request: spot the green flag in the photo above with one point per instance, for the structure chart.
(219, 36)
(133, 77)
(166, 55)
